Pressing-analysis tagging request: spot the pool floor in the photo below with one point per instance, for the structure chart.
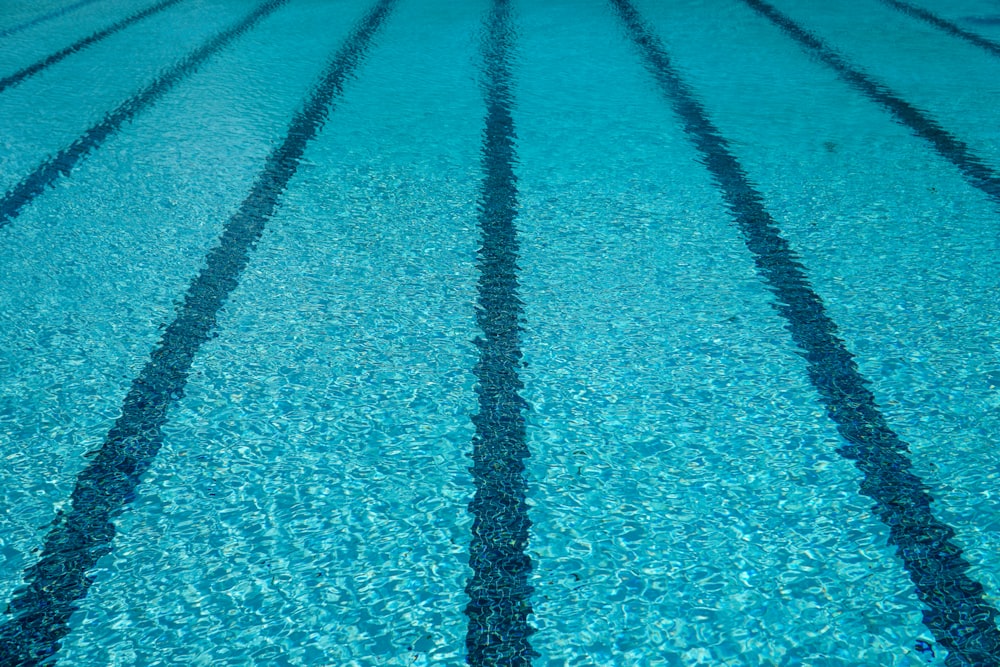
(585, 332)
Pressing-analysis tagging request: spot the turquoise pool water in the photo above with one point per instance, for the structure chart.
(412, 332)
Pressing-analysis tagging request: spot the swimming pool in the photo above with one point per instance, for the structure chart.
(611, 332)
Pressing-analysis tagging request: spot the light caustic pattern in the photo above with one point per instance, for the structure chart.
(467, 354)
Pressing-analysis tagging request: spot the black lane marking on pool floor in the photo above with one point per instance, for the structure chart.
(63, 162)
(498, 590)
(54, 14)
(956, 611)
(956, 151)
(22, 74)
(951, 28)
(81, 536)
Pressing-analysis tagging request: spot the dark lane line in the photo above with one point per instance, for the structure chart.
(951, 28)
(63, 162)
(956, 612)
(22, 74)
(54, 14)
(956, 151)
(58, 581)
(499, 592)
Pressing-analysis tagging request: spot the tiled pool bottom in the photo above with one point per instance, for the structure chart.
(584, 333)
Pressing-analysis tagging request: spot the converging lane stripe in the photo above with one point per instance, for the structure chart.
(951, 28)
(63, 162)
(956, 151)
(957, 614)
(83, 535)
(498, 590)
(54, 14)
(19, 76)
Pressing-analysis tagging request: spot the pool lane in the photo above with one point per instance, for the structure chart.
(955, 608)
(84, 532)
(36, 42)
(62, 163)
(52, 121)
(310, 502)
(951, 28)
(18, 13)
(954, 82)
(688, 506)
(979, 16)
(94, 270)
(34, 68)
(41, 16)
(499, 590)
(900, 248)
